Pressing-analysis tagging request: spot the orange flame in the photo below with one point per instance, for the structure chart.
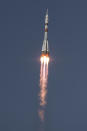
(43, 84)
(44, 59)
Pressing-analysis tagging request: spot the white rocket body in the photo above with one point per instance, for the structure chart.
(45, 48)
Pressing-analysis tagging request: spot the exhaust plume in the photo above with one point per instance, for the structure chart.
(43, 85)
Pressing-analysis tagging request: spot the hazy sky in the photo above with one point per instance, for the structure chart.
(21, 37)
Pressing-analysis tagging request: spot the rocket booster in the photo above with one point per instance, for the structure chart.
(45, 48)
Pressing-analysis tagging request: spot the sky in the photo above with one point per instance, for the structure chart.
(21, 38)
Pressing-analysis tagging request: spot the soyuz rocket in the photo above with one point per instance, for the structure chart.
(45, 48)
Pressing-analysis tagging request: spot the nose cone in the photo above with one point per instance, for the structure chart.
(47, 12)
(46, 17)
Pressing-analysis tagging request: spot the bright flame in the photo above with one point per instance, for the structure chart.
(44, 59)
(43, 84)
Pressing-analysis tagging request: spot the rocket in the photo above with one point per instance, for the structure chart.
(45, 48)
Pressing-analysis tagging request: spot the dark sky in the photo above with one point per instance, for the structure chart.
(21, 37)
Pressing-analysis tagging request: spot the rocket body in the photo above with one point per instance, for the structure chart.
(45, 48)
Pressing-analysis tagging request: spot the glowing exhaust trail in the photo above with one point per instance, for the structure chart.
(43, 85)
